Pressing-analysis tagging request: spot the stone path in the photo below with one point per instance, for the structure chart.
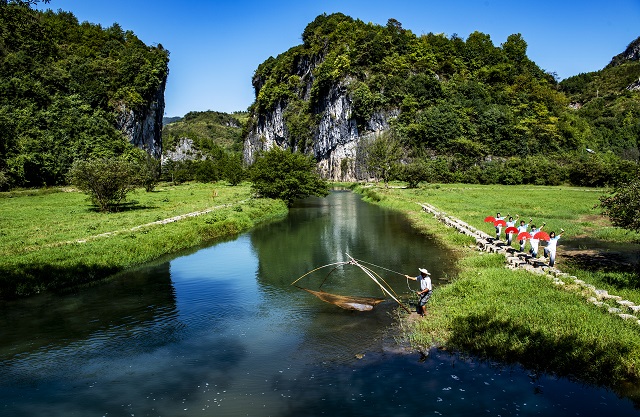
(515, 259)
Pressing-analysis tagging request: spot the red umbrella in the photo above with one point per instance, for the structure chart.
(489, 219)
(524, 235)
(541, 236)
(499, 223)
(511, 230)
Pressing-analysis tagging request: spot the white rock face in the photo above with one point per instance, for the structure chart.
(144, 128)
(336, 139)
(183, 151)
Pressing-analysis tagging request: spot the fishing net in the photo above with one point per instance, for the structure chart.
(350, 302)
(346, 302)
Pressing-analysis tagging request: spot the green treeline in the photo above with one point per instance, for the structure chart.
(472, 111)
(63, 85)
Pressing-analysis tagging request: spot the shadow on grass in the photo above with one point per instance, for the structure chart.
(123, 207)
(29, 279)
(498, 339)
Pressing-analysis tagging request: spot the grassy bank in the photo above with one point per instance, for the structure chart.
(53, 239)
(516, 316)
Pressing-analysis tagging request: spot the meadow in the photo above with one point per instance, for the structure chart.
(516, 316)
(54, 239)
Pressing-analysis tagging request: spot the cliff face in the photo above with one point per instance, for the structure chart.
(143, 126)
(336, 139)
(632, 53)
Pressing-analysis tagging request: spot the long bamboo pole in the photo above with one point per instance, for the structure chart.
(366, 271)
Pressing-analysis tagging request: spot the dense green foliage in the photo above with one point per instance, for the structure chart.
(607, 104)
(623, 206)
(106, 181)
(287, 176)
(468, 106)
(63, 85)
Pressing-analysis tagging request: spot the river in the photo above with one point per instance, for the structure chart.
(220, 331)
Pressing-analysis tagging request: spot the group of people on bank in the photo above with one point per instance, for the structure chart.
(527, 232)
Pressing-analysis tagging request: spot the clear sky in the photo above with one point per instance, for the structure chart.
(216, 46)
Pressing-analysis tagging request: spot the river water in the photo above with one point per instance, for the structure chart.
(220, 331)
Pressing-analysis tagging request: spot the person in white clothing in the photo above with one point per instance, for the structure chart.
(534, 242)
(550, 249)
(523, 228)
(511, 223)
(498, 228)
(424, 279)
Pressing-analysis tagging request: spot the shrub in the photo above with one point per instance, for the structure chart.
(286, 175)
(106, 181)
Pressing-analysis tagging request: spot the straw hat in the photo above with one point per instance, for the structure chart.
(424, 271)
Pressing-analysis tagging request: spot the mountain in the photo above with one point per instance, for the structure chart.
(609, 101)
(73, 90)
(167, 120)
(201, 134)
(465, 100)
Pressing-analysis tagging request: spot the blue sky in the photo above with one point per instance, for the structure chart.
(216, 46)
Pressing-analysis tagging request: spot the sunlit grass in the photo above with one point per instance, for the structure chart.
(52, 240)
(516, 316)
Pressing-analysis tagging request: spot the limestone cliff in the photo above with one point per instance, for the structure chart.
(336, 138)
(143, 126)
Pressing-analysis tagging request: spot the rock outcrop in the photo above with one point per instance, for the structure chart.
(336, 138)
(143, 127)
(184, 151)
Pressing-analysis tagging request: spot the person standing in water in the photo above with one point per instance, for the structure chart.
(424, 279)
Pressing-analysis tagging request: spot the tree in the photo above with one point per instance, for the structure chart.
(148, 171)
(286, 175)
(623, 205)
(234, 172)
(413, 173)
(107, 181)
(382, 156)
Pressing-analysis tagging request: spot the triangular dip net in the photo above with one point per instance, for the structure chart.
(349, 302)
(346, 302)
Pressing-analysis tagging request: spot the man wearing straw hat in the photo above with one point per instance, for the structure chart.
(424, 279)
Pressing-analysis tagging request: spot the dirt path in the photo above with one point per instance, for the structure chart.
(146, 225)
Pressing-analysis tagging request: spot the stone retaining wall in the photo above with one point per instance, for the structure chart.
(515, 259)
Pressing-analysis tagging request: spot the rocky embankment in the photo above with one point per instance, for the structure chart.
(515, 259)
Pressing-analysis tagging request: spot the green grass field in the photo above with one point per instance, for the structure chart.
(516, 316)
(54, 239)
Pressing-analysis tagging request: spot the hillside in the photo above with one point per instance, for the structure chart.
(207, 130)
(609, 100)
(462, 101)
(73, 90)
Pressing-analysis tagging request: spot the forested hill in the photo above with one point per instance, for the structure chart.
(208, 131)
(73, 90)
(609, 100)
(465, 102)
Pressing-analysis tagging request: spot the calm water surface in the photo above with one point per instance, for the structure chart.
(221, 332)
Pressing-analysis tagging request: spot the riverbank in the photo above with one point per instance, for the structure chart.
(52, 239)
(516, 316)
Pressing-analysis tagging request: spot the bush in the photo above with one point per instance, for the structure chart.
(623, 206)
(287, 176)
(106, 181)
